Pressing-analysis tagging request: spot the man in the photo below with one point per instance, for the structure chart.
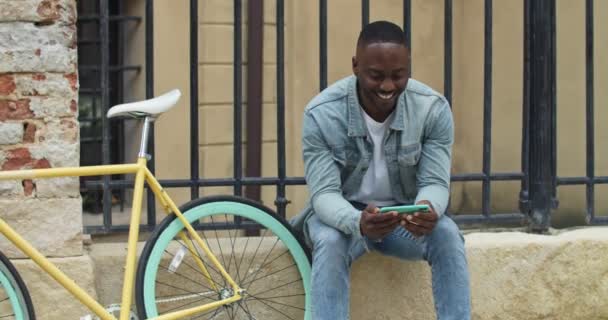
(379, 139)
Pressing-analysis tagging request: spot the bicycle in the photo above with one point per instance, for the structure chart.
(183, 272)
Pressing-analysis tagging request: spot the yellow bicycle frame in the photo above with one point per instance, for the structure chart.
(142, 174)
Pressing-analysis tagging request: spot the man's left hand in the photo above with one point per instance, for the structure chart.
(420, 223)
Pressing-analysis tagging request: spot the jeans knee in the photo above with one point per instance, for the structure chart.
(330, 244)
(446, 235)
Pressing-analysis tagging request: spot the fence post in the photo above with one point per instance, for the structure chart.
(541, 88)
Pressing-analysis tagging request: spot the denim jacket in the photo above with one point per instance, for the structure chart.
(337, 152)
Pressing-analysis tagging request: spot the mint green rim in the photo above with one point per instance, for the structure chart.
(221, 207)
(12, 295)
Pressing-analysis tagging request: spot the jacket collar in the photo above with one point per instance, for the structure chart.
(356, 124)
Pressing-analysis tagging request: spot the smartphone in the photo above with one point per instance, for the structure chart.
(409, 209)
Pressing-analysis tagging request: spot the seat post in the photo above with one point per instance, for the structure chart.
(143, 147)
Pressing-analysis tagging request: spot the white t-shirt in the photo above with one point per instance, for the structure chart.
(375, 187)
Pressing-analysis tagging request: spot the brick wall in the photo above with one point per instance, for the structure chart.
(38, 122)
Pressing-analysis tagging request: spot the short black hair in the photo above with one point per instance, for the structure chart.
(381, 31)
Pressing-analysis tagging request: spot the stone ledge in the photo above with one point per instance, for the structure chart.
(513, 276)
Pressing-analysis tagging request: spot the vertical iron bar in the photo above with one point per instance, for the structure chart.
(542, 112)
(487, 109)
(105, 104)
(150, 202)
(590, 102)
(323, 44)
(255, 80)
(194, 155)
(238, 100)
(447, 62)
(364, 12)
(407, 28)
(524, 194)
(281, 201)
(120, 95)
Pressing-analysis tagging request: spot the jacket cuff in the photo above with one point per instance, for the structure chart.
(436, 195)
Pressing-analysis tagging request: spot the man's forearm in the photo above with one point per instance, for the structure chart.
(335, 211)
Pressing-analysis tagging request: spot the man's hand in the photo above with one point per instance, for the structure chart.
(375, 225)
(420, 223)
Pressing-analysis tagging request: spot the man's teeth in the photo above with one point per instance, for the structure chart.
(385, 96)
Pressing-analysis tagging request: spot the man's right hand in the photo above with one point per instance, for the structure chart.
(375, 225)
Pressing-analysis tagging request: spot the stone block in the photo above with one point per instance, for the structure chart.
(46, 11)
(25, 47)
(11, 188)
(53, 226)
(51, 301)
(52, 107)
(46, 84)
(63, 187)
(58, 153)
(11, 132)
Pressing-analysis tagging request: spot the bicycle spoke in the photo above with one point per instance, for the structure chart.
(279, 303)
(232, 242)
(256, 250)
(238, 267)
(279, 311)
(217, 238)
(286, 296)
(199, 256)
(265, 258)
(8, 315)
(248, 313)
(194, 281)
(268, 263)
(182, 289)
(255, 279)
(288, 283)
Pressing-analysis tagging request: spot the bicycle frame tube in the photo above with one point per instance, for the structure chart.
(142, 175)
(68, 172)
(44, 263)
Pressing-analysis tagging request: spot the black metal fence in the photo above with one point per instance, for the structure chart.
(538, 176)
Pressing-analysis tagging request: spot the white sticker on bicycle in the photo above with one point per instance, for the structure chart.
(177, 259)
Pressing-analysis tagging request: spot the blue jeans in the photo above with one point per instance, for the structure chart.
(443, 249)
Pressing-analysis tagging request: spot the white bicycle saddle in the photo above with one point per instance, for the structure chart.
(151, 107)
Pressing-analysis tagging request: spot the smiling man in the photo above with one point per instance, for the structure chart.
(375, 139)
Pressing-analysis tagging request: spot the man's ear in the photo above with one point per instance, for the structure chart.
(355, 66)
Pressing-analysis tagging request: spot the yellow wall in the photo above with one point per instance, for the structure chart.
(302, 77)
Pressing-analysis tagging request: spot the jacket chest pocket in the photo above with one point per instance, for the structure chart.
(408, 157)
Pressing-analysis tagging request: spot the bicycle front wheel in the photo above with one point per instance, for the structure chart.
(15, 302)
(272, 265)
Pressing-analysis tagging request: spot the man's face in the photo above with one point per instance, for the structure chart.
(381, 69)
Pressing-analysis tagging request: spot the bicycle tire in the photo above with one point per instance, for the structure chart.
(173, 289)
(15, 301)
